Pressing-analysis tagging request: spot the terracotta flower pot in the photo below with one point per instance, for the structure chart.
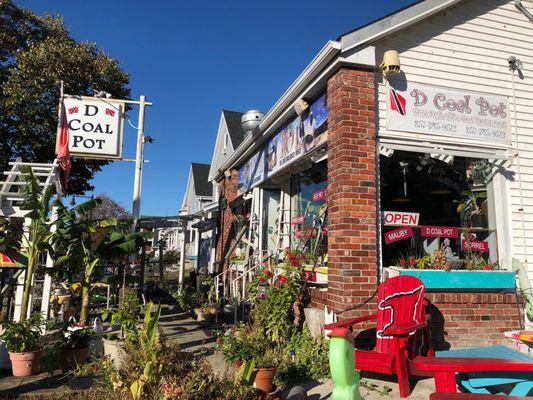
(264, 378)
(70, 359)
(26, 364)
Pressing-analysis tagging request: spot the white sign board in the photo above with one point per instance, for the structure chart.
(452, 113)
(400, 218)
(94, 127)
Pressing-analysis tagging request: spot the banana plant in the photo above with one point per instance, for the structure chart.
(36, 239)
(82, 244)
(149, 340)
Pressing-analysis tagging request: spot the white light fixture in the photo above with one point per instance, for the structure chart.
(391, 63)
(300, 106)
(386, 151)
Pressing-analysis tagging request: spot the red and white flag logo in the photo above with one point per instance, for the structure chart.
(397, 102)
(109, 111)
(73, 110)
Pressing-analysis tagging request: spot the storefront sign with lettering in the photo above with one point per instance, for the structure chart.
(400, 218)
(300, 136)
(398, 234)
(94, 127)
(319, 195)
(439, 231)
(475, 245)
(436, 110)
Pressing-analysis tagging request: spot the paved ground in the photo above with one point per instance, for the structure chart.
(196, 338)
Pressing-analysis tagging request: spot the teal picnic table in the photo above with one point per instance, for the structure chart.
(521, 383)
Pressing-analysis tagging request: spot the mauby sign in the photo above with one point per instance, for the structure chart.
(94, 127)
(398, 234)
(435, 110)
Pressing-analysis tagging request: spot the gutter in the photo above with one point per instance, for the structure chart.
(322, 59)
(518, 4)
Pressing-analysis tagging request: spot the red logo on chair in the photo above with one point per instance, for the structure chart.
(410, 300)
(397, 102)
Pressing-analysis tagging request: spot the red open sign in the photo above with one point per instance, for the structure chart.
(400, 218)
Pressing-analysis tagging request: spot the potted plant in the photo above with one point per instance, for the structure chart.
(74, 346)
(125, 318)
(23, 342)
(470, 201)
(266, 364)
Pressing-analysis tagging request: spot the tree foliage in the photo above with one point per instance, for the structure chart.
(36, 53)
(109, 208)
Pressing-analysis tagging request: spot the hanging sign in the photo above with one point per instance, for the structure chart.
(475, 245)
(94, 127)
(439, 231)
(398, 234)
(440, 111)
(400, 218)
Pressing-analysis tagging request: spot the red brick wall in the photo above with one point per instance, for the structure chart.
(472, 319)
(227, 190)
(318, 298)
(352, 250)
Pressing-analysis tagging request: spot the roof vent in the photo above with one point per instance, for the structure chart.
(250, 119)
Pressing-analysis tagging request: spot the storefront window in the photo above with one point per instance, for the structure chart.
(309, 214)
(437, 212)
(271, 216)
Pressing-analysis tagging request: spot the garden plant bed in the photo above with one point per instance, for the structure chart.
(477, 281)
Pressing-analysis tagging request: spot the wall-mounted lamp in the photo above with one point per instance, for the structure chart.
(300, 106)
(391, 63)
(385, 151)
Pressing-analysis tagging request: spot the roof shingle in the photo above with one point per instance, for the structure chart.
(233, 122)
(200, 174)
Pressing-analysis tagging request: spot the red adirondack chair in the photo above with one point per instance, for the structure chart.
(401, 327)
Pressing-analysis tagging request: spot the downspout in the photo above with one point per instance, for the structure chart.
(518, 4)
(514, 65)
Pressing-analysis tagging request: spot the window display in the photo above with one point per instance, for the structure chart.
(437, 212)
(309, 214)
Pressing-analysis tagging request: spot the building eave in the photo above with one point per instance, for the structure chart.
(393, 23)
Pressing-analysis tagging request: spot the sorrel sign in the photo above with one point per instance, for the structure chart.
(398, 234)
(400, 218)
(475, 245)
(440, 111)
(439, 231)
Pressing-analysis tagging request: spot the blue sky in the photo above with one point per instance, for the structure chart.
(194, 58)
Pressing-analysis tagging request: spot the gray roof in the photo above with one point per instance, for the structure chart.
(233, 122)
(200, 175)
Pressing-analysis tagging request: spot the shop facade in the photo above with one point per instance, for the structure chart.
(427, 169)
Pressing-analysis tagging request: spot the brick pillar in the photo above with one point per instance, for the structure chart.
(227, 190)
(352, 248)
